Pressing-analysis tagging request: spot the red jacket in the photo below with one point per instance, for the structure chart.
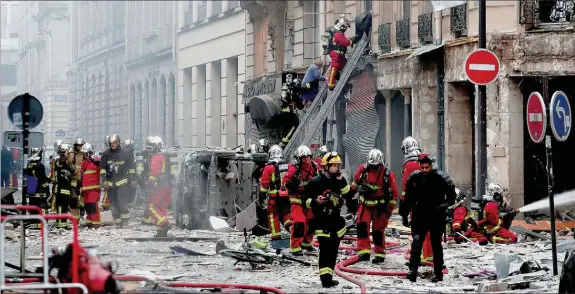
(318, 160)
(460, 219)
(375, 179)
(90, 173)
(490, 221)
(270, 180)
(408, 168)
(340, 40)
(158, 166)
(305, 172)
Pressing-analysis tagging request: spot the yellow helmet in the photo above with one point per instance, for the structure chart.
(331, 158)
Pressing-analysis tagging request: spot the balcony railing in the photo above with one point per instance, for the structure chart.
(425, 28)
(202, 12)
(402, 33)
(384, 37)
(233, 4)
(217, 7)
(189, 18)
(459, 20)
(533, 12)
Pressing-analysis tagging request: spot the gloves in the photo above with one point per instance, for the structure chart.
(293, 184)
(405, 222)
(352, 206)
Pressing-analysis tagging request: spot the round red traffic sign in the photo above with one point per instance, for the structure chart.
(536, 117)
(482, 67)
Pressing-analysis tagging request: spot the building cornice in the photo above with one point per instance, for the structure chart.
(103, 53)
(45, 7)
(149, 58)
(210, 20)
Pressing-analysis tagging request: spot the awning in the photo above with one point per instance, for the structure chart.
(263, 108)
(425, 49)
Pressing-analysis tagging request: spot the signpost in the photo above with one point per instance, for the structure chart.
(560, 115)
(25, 112)
(482, 67)
(536, 117)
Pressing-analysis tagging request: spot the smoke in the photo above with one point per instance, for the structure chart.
(561, 200)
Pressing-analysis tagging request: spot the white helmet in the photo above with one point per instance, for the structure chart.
(88, 149)
(275, 153)
(495, 191)
(57, 143)
(409, 146)
(341, 24)
(36, 154)
(375, 157)
(302, 151)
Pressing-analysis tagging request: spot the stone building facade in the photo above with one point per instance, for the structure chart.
(151, 68)
(211, 64)
(43, 56)
(96, 71)
(8, 59)
(414, 45)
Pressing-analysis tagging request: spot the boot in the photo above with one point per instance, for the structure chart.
(378, 259)
(438, 277)
(147, 222)
(411, 275)
(309, 248)
(363, 257)
(327, 281)
(125, 222)
(163, 231)
(119, 225)
(297, 253)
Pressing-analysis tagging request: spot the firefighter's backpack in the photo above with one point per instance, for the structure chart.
(327, 40)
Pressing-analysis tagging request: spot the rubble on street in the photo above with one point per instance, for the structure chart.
(471, 267)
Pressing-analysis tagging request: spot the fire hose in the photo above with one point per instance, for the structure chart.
(173, 286)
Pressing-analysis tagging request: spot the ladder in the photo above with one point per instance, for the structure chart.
(319, 109)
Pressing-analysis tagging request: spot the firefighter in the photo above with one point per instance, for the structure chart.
(38, 184)
(298, 175)
(322, 152)
(128, 146)
(463, 223)
(270, 184)
(412, 153)
(506, 212)
(90, 185)
(263, 146)
(325, 195)
(76, 201)
(337, 49)
(106, 200)
(62, 181)
(378, 194)
(51, 173)
(428, 194)
(142, 174)
(160, 183)
(290, 102)
(14, 168)
(492, 224)
(117, 170)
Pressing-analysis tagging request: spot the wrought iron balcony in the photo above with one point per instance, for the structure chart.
(384, 37)
(217, 7)
(533, 12)
(189, 18)
(425, 28)
(459, 20)
(233, 4)
(202, 12)
(402, 33)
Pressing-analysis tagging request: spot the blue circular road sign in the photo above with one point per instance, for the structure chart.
(561, 116)
(16, 111)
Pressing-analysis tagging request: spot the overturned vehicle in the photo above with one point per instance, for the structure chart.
(218, 182)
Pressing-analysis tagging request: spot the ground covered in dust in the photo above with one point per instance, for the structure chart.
(157, 258)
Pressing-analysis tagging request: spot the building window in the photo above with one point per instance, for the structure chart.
(60, 98)
(9, 75)
(367, 5)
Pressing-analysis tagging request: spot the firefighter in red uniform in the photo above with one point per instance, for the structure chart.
(506, 212)
(377, 198)
(337, 50)
(270, 183)
(492, 224)
(463, 223)
(298, 175)
(322, 152)
(90, 185)
(160, 188)
(412, 153)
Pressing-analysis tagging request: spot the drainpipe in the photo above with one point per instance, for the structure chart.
(440, 92)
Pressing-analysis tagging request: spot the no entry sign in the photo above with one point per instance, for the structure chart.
(482, 67)
(536, 117)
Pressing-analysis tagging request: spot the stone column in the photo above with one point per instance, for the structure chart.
(231, 101)
(215, 103)
(200, 102)
(145, 110)
(406, 112)
(388, 126)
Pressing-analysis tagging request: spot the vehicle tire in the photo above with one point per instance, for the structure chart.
(243, 256)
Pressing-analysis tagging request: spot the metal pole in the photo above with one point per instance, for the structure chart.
(550, 178)
(25, 133)
(440, 110)
(481, 128)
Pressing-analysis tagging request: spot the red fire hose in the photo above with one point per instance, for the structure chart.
(168, 285)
